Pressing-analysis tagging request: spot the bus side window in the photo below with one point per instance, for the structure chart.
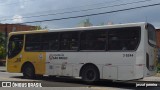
(93, 40)
(124, 47)
(42, 42)
(124, 38)
(53, 45)
(33, 42)
(69, 40)
(50, 41)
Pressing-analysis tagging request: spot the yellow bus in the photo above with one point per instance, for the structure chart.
(115, 52)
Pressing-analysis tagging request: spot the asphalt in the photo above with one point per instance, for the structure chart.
(76, 84)
(146, 79)
(152, 79)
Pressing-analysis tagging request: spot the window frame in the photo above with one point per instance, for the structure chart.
(60, 38)
(148, 26)
(106, 48)
(106, 41)
(40, 43)
(138, 43)
(30, 42)
(12, 56)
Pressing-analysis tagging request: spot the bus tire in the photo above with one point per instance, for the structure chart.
(90, 74)
(28, 71)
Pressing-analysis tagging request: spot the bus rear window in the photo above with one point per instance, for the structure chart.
(151, 35)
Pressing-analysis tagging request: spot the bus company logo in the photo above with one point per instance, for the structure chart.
(50, 57)
(57, 57)
(6, 84)
(40, 56)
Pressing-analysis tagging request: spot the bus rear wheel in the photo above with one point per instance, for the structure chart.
(28, 71)
(90, 74)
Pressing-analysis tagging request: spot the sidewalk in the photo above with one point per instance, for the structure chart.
(151, 79)
(2, 68)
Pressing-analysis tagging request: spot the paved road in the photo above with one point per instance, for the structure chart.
(70, 83)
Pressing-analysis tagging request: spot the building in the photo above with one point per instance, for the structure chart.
(158, 37)
(7, 28)
(158, 43)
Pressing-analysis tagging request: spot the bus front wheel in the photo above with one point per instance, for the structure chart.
(28, 71)
(90, 74)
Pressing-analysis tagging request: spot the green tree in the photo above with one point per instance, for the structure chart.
(85, 23)
(38, 28)
(2, 46)
(41, 28)
(101, 24)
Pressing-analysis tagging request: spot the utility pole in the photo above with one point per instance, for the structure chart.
(146, 19)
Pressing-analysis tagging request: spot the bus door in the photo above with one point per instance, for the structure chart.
(14, 48)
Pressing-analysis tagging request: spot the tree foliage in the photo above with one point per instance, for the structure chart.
(85, 23)
(2, 46)
(41, 28)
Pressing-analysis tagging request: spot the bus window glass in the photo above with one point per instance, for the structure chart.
(33, 42)
(151, 35)
(124, 38)
(93, 40)
(15, 45)
(41, 42)
(50, 41)
(69, 41)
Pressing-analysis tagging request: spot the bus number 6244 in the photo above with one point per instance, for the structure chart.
(127, 55)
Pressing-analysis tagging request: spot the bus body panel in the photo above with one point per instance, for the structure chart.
(112, 64)
(38, 60)
(151, 52)
(15, 64)
(69, 63)
(110, 72)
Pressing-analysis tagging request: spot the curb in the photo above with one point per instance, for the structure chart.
(2, 69)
